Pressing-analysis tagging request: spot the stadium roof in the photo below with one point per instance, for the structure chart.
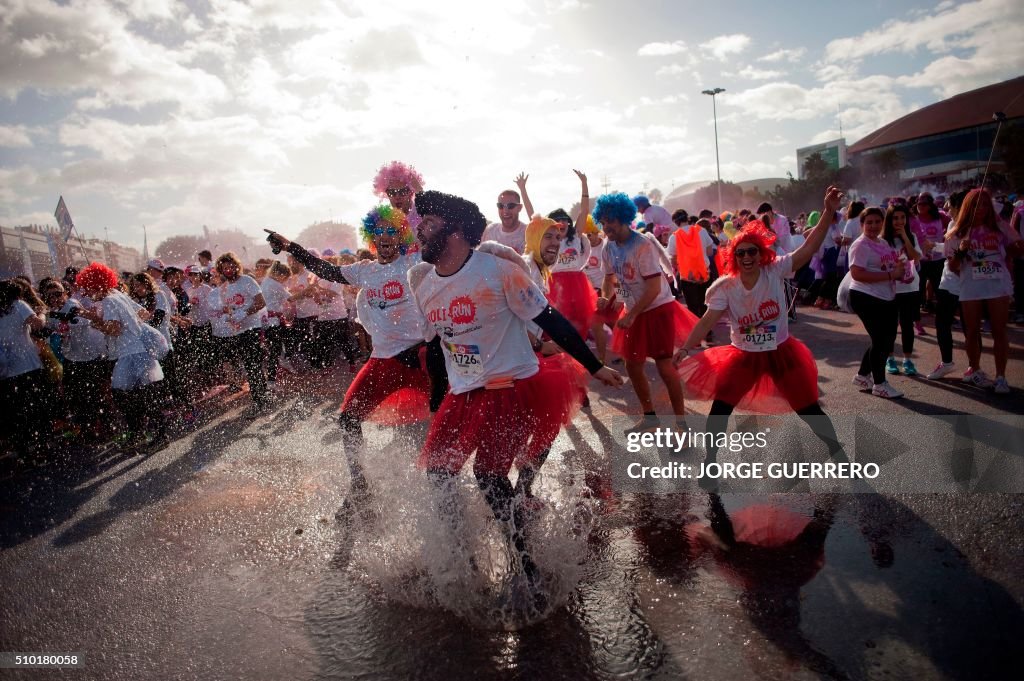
(956, 113)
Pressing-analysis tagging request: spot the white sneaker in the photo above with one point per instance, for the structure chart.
(941, 369)
(885, 390)
(862, 382)
(1002, 387)
(978, 378)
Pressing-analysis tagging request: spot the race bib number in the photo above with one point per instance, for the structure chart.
(760, 338)
(466, 360)
(986, 269)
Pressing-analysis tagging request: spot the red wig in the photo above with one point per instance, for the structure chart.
(753, 233)
(97, 277)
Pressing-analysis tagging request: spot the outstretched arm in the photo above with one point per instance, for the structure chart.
(584, 202)
(320, 268)
(563, 333)
(814, 240)
(521, 183)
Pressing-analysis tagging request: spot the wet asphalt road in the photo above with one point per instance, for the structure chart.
(220, 557)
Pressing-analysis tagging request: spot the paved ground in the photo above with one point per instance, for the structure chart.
(220, 557)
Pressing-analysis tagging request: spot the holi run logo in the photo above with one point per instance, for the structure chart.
(767, 311)
(393, 290)
(628, 272)
(462, 310)
(567, 256)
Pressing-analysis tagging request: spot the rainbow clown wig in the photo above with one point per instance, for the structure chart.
(535, 232)
(753, 233)
(385, 219)
(398, 173)
(617, 206)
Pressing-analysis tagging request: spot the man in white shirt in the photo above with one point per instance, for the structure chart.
(480, 305)
(653, 215)
(510, 231)
(242, 300)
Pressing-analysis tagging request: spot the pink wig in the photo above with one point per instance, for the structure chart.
(397, 172)
(754, 233)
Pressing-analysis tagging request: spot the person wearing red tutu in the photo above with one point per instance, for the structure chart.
(569, 289)
(764, 369)
(654, 324)
(500, 397)
(394, 375)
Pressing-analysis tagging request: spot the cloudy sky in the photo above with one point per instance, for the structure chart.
(262, 113)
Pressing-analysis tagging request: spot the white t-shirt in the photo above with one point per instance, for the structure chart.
(657, 215)
(385, 305)
(632, 263)
(950, 281)
(851, 230)
(480, 313)
(705, 241)
(18, 354)
(595, 264)
(335, 308)
(238, 296)
(304, 307)
(82, 342)
(783, 235)
(220, 323)
(119, 307)
(874, 256)
(757, 318)
(275, 295)
(932, 230)
(911, 281)
(515, 239)
(168, 303)
(200, 313)
(983, 273)
(572, 257)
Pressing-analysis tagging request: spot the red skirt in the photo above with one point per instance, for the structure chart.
(610, 314)
(773, 548)
(389, 393)
(507, 425)
(656, 333)
(775, 382)
(573, 296)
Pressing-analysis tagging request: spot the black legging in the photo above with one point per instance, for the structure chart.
(908, 307)
(247, 349)
(693, 294)
(879, 318)
(718, 420)
(931, 270)
(945, 311)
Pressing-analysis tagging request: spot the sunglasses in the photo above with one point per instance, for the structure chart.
(399, 191)
(744, 252)
(507, 206)
(379, 231)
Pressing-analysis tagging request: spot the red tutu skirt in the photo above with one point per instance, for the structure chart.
(614, 311)
(506, 425)
(388, 393)
(775, 382)
(656, 333)
(573, 296)
(774, 546)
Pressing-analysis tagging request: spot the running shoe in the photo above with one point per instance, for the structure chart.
(1002, 387)
(885, 390)
(862, 382)
(920, 329)
(941, 369)
(891, 366)
(908, 368)
(978, 378)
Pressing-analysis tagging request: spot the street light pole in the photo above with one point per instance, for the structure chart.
(718, 167)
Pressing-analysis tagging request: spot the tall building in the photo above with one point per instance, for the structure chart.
(950, 140)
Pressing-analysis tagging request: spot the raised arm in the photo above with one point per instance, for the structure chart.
(814, 240)
(584, 202)
(527, 204)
